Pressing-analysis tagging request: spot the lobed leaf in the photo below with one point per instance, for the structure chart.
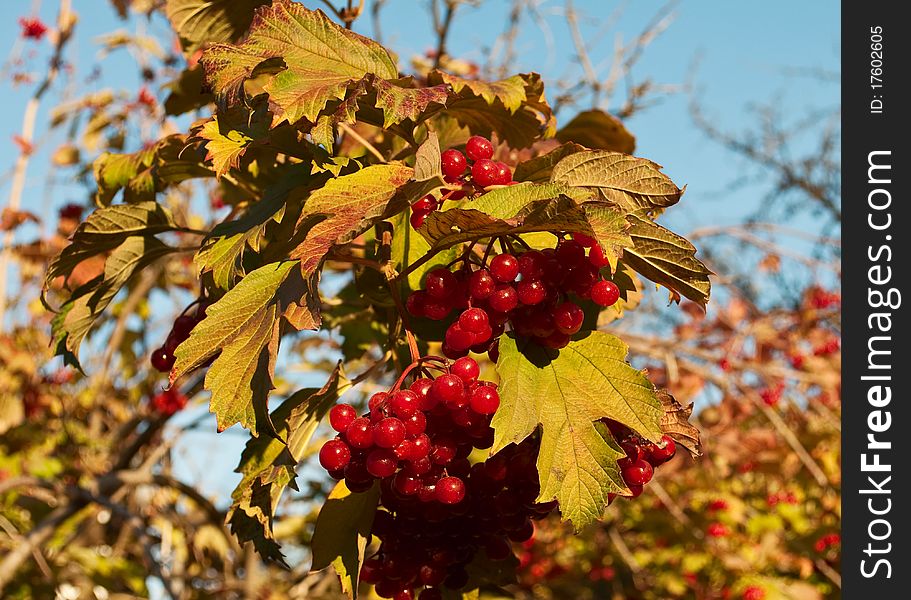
(201, 22)
(305, 58)
(241, 331)
(635, 185)
(267, 463)
(342, 533)
(598, 130)
(667, 259)
(565, 393)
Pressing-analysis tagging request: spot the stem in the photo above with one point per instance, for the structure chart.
(362, 141)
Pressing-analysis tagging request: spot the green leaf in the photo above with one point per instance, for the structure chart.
(539, 169)
(342, 533)
(667, 259)
(598, 130)
(224, 247)
(86, 304)
(311, 60)
(267, 463)
(348, 206)
(408, 246)
(201, 22)
(510, 92)
(224, 149)
(514, 109)
(108, 227)
(565, 393)
(427, 160)
(527, 208)
(636, 185)
(242, 332)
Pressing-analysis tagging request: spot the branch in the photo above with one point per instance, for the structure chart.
(65, 24)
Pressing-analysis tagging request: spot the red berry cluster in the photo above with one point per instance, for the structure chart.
(162, 358)
(32, 28)
(717, 505)
(822, 299)
(828, 347)
(530, 291)
(429, 545)
(827, 541)
(417, 438)
(752, 592)
(642, 457)
(474, 170)
(718, 530)
(168, 402)
(771, 396)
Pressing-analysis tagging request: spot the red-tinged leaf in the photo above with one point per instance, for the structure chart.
(309, 60)
(201, 22)
(346, 207)
(224, 149)
(510, 92)
(675, 422)
(400, 103)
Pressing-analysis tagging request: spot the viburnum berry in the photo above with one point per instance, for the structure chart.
(33, 28)
(596, 257)
(568, 317)
(450, 390)
(441, 283)
(389, 433)
(466, 369)
(504, 299)
(474, 320)
(334, 455)
(481, 284)
(485, 400)
(162, 360)
(453, 163)
(752, 592)
(502, 175)
(341, 416)
(360, 433)
(638, 473)
(71, 211)
(168, 402)
(663, 451)
(605, 293)
(478, 148)
(484, 173)
(531, 292)
(450, 490)
(404, 403)
(718, 530)
(504, 268)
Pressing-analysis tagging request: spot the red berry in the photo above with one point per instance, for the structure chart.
(478, 148)
(431, 594)
(466, 369)
(183, 326)
(450, 490)
(436, 310)
(341, 416)
(425, 205)
(484, 173)
(485, 400)
(459, 339)
(504, 299)
(421, 387)
(404, 403)
(568, 317)
(596, 257)
(638, 473)
(169, 402)
(718, 530)
(453, 163)
(71, 211)
(531, 291)
(417, 220)
(605, 293)
(752, 592)
(377, 402)
(450, 390)
(474, 320)
(416, 302)
(360, 433)
(334, 455)
(389, 433)
(415, 424)
(34, 28)
(381, 462)
(444, 450)
(481, 284)
(571, 252)
(503, 175)
(662, 451)
(441, 284)
(504, 268)
(162, 360)
(556, 340)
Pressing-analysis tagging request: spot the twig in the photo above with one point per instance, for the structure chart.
(360, 139)
(18, 539)
(442, 28)
(829, 572)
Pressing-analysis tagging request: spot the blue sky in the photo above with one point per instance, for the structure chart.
(745, 49)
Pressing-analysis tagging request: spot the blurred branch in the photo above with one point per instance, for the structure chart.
(66, 20)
